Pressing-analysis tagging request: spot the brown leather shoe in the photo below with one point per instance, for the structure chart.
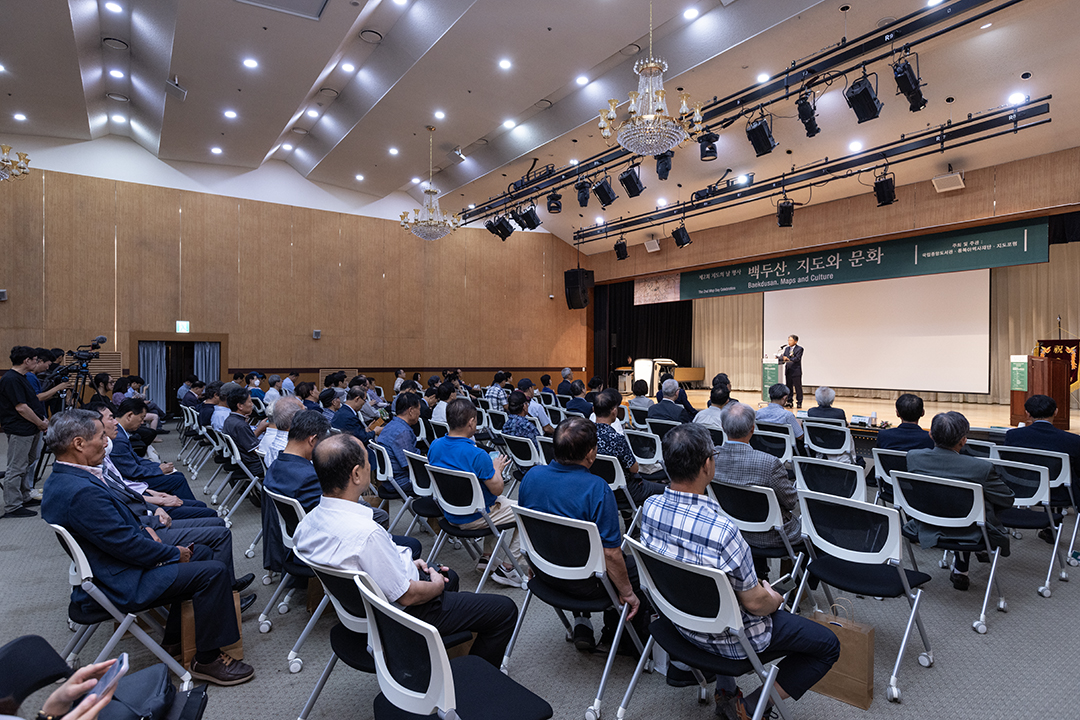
(225, 670)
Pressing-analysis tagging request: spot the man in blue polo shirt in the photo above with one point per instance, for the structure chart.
(567, 488)
(457, 451)
(398, 437)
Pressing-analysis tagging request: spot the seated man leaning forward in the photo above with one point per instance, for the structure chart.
(567, 488)
(457, 451)
(132, 566)
(162, 477)
(686, 524)
(340, 533)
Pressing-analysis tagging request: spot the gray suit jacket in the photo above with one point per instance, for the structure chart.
(955, 466)
(739, 464)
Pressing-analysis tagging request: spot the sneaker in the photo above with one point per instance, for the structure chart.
(21, 512)
(729, 706)
(510, 578)
(225, 670)
(959, 581)
(35, 494)
(583, 638)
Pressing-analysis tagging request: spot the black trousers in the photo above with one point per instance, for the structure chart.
(208, 584)
(191, 509)
(491, 617)
(174, 484)
(794, 383)
(209, 532)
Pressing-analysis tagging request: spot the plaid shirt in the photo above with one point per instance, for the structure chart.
(497, 397)
(692, 529)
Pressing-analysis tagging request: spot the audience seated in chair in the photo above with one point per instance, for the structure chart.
(687, 525)
(680, 399)
(279, 420)
(340, 533)
(445, 395)
(907, 435)
(495, 394)
(718, 400)
(132, 565)
(246, 437)
(308, 393)
(641, 399)
(347, 418)
(578, 403)
(211, 398)
(330, 403)
(273, 390)
(1040, 434)
(252, 381)
(825, 396)
(545, 384)
(517, 422)
(399, 437)
(596, 384)
(667, 408)
(949, 431)
(567, 380)
(535, 408)
(613, 443)
(775, 412)
(162, 477)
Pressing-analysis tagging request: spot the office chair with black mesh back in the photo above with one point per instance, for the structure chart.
(886, 462)
(831, 477)
(755, 509)
(648, 450)
(388, 488)
(1059, 465)
(547, 448)
(779, 445)
(660, 428)
(611, 470)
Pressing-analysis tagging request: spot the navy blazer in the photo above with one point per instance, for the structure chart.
(346, 420)
(905, 436)
(1041, 435)
(580, 405)
(682, 400)
(128, 463)
(668, 410)
(130, 568)
(294, 476)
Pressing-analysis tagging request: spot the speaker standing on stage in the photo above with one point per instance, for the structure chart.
(791, 356)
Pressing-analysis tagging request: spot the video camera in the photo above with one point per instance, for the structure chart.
(79, 368)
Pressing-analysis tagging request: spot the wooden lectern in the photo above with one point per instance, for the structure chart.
(1045, 376)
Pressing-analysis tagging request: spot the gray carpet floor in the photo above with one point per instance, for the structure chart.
(1025, 667)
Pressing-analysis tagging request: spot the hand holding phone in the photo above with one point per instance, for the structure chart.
(112, 676)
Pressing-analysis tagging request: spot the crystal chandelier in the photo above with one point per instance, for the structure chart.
(649, 129)
(429, 222)
(13, 169)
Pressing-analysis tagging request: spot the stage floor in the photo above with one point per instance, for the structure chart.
(978, 415)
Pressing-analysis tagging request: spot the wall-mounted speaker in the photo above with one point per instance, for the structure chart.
(316, 334)
(578, 282)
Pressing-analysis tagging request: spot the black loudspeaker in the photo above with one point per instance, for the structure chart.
(578, 282)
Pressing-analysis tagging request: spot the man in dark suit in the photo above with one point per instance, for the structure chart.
(246, 437)
(132, 566)
(567, 379)
(949, 431)
(578, 403)
(1040, 434)
(791, 356)
(667, 408)
(192, 395)
(907, 435)
(159, 476)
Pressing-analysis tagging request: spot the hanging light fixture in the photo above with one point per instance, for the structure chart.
(429, 222)
(649, 129)
(13, 169)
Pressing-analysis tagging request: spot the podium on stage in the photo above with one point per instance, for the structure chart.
(1049, 374)
(770, 375)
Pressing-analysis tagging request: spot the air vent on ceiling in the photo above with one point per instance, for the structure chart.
(652, 245)
(328, 92)
(114, 43)
(310, 9)
(118, 97)
(949, 182)
(299, 130)
(371, 36)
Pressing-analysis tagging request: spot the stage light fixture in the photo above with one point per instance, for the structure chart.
(500, 226)
(909, 84)
(785, 212)
(516, 216)
(530, 218)
(681, 237)
(603, 192)
(862, 98)
(741, 180)
(663, 164)
(807, 112)
(707, 144)
(620, 249)
(554, 203)
(885, 188)
(760, 136)
(582, 187)
(630, 179)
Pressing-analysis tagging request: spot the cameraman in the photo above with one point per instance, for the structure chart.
(22, 415)
(45, 361)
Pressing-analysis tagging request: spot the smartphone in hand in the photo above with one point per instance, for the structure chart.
(112, 676)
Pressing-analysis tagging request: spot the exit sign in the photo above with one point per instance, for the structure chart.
(183, 326)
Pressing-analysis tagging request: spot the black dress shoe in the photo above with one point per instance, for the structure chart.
(960, 582)
(161, 431)
(247, 601)
(32, 502)
(241, 583)
(21, 513)
(1047, 535)
(677, 677)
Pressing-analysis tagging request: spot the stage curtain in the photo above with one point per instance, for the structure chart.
(662, 330)
(727, 338)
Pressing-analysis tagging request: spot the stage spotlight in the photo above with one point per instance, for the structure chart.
(885, 189)
(631, 182)
(707, 143)
(807, 113)
(862, 98)
(760, 136)
(530, 219)
(785, 212)
(516, 216)
(603, 192)
(909, 84)
(663, 164)
(620, 250)
(500, 226)
(681, 237)
(491, 228)
(582, 187)
(554, 203)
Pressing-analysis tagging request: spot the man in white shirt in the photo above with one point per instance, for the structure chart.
(536, 410)
(446, 394)
(273, 391)
(276, 437)
(288, 385)
(340, 533)
(221, 414)
(710, 416)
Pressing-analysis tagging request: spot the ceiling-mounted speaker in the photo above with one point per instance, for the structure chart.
(3, 295)
(578, 281)
(949, 182)
(652, 245)
(316, 334)
(173, 86)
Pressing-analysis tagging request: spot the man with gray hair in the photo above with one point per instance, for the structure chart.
(279, 416)
(667, 408)
(775, 412)
(273, 390)
(131, 564)
(948, 460)
(825, 396)
(739, 464)
(567, 378)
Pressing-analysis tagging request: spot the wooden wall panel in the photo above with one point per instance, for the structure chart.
(208, 269)
(147, 257)
(1045, 181)
(22, 315)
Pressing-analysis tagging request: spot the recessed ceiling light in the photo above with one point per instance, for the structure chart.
(509, 124)
(230, 114)
(1017, 98)
(983, 27)
(932, 3)
(360, 177)
(251, 63)
(472, 206)
(855, 146)
(216, 150)
(313, 113)
(348, 67)
(19, 116)
(691, 13)
(416, 181)
(763, 77)
(119, 119)
(393, 151)
(599, 220)
(1, 68)
(439, 114)
(505, 64)
(661, 203)
(286, 146)
(573, 162)
(400, 2)
(116, 73)
(582, 80)
(113, 7)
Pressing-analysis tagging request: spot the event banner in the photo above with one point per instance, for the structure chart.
(1019, 243)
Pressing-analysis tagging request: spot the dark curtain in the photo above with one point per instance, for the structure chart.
(624, 331)
(1064, 228)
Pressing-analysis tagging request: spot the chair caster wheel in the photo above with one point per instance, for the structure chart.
(72, 626)
(228, 523)
(926, 659)
(249, 553)
(592, 714)
(893, 693)
(1044, 591)
(268, 579)
(1003, 606)
(282, 609)
(265, 626)
(213, 499)
(979, 626)
(942, 564)
(296, 665)
(1073, 561)
(1018, 535)
(1063, 576)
